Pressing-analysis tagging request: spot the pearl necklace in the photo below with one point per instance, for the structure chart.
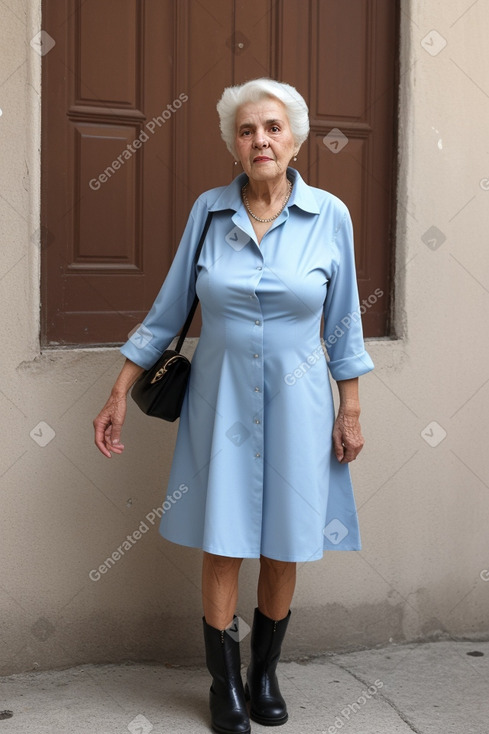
(270, 219)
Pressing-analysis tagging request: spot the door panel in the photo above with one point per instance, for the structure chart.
(130, 138)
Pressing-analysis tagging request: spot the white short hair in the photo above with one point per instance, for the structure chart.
(253, 91)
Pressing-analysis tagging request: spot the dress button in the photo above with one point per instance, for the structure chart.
(259, 267)
(258, 323)
(256, 356)
(257, 389)
(257, 421)
(257, 456)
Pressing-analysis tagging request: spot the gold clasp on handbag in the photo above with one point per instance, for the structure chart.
(162, 371)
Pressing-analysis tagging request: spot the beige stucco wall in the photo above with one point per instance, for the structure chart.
(424, 510)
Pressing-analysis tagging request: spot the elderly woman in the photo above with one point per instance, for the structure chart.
(261, 458)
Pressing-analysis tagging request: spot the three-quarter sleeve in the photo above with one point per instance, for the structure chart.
(342, 333)
(172, 304)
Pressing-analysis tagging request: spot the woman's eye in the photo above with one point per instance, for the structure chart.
(275, 129)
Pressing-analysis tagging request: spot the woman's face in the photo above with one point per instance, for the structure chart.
(264, 140)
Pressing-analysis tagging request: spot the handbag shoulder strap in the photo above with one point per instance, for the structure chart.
(193, 308)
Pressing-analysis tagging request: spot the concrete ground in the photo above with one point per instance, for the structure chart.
(430, 688)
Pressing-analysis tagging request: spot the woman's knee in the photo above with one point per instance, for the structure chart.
(278, 568)
(222, 565)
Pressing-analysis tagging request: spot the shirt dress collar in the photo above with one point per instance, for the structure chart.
(302, 195)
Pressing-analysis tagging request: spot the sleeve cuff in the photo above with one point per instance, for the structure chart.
(145, 358)
(350, 367)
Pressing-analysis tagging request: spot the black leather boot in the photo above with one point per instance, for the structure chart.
(229, 714)
(267, 705)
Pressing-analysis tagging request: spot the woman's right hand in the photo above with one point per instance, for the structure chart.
(108, 425)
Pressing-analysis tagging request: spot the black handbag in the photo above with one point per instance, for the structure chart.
(160, 391)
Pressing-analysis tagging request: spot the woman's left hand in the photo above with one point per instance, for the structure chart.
(347, 436)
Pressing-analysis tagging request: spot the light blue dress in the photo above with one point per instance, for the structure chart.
(254, 470)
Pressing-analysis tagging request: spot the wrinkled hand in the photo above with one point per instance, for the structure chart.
(108, 425)
(347, 436)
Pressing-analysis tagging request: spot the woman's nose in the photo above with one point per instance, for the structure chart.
(260, 142)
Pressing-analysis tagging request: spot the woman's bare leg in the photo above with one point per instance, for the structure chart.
(276, 585)
(219, 589)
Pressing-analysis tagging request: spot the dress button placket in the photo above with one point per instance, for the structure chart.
(257, 392)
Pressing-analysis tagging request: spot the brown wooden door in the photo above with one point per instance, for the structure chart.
(130, 138)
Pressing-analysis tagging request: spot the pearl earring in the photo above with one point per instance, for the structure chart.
(295, 157)
(235, 163)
